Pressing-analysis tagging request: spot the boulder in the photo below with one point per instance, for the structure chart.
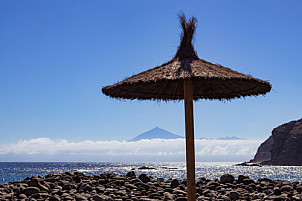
(144, 178)
(168, 196)
(241, 178)
(286, 188)
(131, 174)
(175, 183)
(227, 178)
(31, 190)
(39, 183)
(233, 195)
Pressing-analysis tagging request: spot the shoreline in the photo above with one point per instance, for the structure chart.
(109, 186)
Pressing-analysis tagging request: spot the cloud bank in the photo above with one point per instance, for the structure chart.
(45, 149)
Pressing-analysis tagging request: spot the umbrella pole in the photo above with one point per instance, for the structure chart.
(190, 151)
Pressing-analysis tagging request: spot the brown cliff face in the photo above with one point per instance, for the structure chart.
(283, 147)
(264, 151)
(287, 147)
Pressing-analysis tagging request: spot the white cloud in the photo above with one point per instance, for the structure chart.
(45, 149)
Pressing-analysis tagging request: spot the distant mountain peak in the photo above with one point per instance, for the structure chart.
(156, 133)
(156, 128)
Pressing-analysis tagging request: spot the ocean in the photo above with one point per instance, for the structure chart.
(16, 171)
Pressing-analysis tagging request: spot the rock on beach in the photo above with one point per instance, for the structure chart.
(111, 187)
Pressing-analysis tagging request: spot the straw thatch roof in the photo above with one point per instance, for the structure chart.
(165, 82)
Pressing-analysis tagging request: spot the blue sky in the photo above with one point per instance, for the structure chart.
(55, 56)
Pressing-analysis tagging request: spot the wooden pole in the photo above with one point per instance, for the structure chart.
(190, 150)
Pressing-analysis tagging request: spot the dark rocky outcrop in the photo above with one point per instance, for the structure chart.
(287, 149)
(283, 147)
(264, 151)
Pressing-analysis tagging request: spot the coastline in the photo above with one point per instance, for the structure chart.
(17, 171)
(109, 186)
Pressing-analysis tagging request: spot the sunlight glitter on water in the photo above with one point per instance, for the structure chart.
(209, 170)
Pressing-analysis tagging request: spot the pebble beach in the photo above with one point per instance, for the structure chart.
(109, 186)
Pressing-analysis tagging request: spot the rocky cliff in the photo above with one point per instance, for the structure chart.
(283, 147)
(264, 151)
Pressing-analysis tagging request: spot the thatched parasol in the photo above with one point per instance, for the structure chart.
(187, 77)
